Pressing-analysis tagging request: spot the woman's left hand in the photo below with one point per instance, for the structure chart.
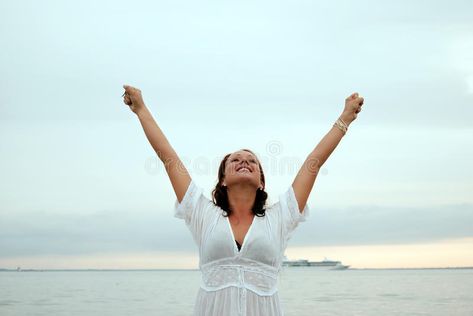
(353, 106)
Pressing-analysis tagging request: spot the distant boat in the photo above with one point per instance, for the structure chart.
(326, 263)
(18, 269)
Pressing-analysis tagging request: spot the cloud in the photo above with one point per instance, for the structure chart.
(385, 225)
(109, 232)
(106, 231)
(211, 56)
(69, 145)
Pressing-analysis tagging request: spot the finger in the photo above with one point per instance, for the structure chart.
(351, 97)
(128, 88)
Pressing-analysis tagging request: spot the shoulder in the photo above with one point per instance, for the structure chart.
(273, 210)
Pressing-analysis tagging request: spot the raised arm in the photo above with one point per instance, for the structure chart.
(305, 178)
(177, 172)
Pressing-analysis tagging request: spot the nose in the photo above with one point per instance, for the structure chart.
(244, 161)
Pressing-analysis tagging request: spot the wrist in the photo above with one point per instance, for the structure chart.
(142, 111)
(347, 118)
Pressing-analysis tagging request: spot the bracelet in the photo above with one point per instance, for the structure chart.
(341, 125)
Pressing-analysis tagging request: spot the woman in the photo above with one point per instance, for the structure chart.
(241, 240)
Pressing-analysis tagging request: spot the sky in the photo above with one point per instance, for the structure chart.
(82, 188)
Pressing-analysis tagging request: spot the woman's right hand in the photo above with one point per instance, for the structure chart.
(132, 97)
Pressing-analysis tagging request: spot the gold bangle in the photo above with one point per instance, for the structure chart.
(341, 125)
(345, 124)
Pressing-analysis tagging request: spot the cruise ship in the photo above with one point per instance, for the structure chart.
(326, 264)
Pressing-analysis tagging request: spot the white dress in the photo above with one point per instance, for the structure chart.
(234, 282)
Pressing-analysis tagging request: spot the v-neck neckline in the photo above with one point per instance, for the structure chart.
(235, 247)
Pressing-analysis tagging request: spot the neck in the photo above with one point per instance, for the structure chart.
(241, 199)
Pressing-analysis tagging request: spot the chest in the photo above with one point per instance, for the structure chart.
(258, 241)
(240, 228)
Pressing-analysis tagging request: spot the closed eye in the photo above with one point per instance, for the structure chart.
(235, 159)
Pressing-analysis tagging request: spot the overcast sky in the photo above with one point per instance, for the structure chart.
(81, 187)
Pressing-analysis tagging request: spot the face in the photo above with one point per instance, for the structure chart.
(242, 166)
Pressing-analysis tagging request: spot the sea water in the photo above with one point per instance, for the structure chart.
(303, 291)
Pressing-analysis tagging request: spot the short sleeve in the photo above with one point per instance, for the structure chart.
(290, 214)
(194, 209)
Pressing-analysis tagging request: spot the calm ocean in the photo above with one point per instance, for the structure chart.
(303, 291)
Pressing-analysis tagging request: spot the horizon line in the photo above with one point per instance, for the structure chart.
(197, 269)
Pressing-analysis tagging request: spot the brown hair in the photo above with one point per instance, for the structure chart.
(220, 196)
